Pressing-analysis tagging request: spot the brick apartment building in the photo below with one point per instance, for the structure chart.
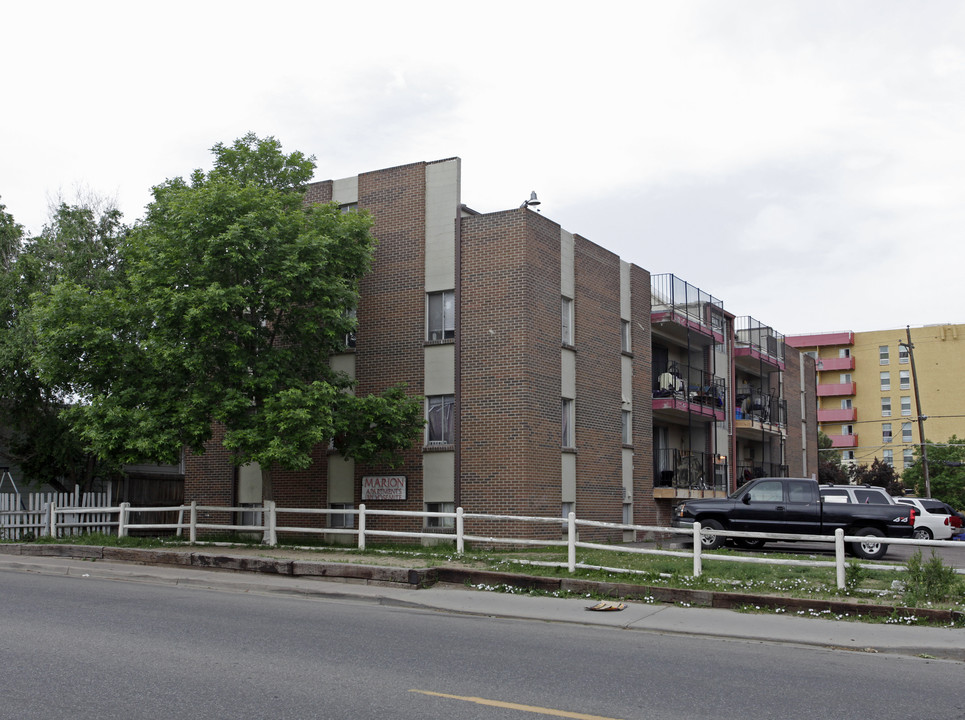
(556, 376)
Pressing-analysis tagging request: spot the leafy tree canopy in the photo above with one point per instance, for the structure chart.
(879, 474)
(830, 469)
(232, 297)
(946, 472)
(78, 243)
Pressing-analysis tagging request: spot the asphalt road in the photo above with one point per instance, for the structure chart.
(84, 648)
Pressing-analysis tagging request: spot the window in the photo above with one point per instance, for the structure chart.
(440, 522)
(625, 336)
(348, 207)
(888, 457)
(627, 513)
(845, 378)
(883, 355)
(441, 315)
(341, 520)
(568, 418)
(847, 429)
(906, 432)
(904, 381)
(845, 403)
(902, 355)
(872, 497)
(567, 318)
(906, 405)
(844, 352)
(886, 407)
(886, 432)
(439, 414)
(350, 336)
(885, 380)
(908, 457)
(626, 419)
(566, 508)
(767, 491)
(848, 455)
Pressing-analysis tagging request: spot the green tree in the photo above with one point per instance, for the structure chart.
(79, 242)
(946, 472)
(233, 296)
(830, 469)
(879, 474)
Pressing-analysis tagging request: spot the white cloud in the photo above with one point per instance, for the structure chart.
(813, 146)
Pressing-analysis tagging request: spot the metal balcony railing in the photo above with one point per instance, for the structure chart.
(754, 334)
(689, 383)
(669, 293)
(685, 470)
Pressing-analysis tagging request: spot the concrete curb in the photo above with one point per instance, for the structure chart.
(427, 577)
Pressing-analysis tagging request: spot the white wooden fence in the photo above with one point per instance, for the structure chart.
(58, 521)
(25, 515)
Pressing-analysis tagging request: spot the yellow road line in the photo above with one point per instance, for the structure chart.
(517, 706)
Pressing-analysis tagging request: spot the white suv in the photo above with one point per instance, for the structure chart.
(932, 519)
(856, 494)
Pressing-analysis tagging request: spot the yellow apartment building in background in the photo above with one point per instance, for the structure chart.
(866, 389)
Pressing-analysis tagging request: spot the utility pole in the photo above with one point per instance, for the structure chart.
(921, 427)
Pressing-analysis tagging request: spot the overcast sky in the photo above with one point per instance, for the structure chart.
(802, 161)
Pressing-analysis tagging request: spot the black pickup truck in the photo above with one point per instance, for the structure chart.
(795, 506)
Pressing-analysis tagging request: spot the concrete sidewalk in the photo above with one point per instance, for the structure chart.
(939, 643)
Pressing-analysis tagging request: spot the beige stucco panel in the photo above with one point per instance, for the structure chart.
(440, 369)
(346, 190)
(439, 477)
(341, 479)
(568, 477)
(442, 202)
(567, 373)
(249, 483)
(567, 267)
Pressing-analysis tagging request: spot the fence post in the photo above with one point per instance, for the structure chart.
(362, 526)
(193, 529)
(271, 523)
(571, 541)
(180, 530)
(839, 557)
(460, 535)
(122, 519)
(52, 518)
(698, 562)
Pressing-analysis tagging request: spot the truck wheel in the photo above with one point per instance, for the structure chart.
(710, 540)
(869, 549)
(751, 543)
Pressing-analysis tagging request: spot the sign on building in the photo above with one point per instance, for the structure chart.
(383, 487)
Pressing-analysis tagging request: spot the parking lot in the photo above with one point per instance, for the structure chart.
(951, 552)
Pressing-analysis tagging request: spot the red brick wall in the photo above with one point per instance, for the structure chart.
(391, 314)
(599, 461)
(645, 509)
(511, 366)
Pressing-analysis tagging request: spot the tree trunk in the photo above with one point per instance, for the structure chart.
(267, 491)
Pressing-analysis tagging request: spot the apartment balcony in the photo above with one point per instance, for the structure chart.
(839, 415)
(824, 364)
(746, 473)
(838, 389)
(821, 340)
(684, 314)
(759, 413)
(844, 441)
(683, 474)
(758, 348)
(682, 394)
